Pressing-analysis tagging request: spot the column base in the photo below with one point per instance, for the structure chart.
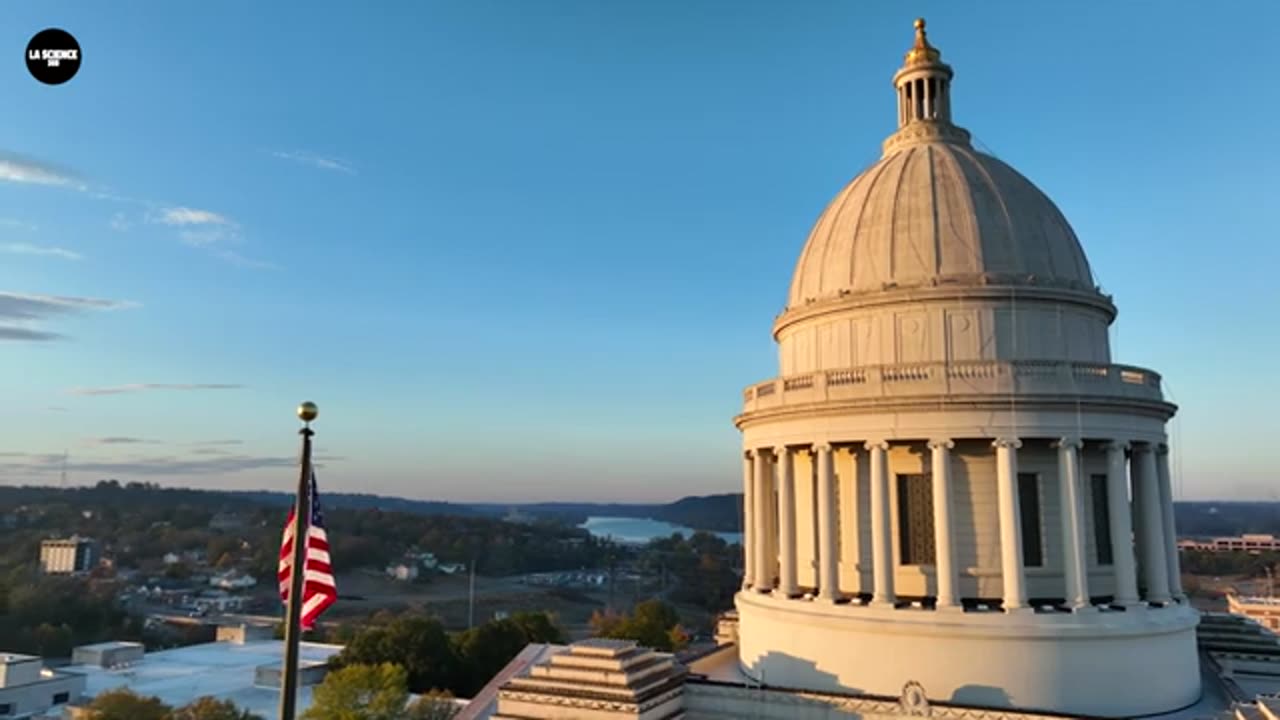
(883, 603)
(1084, 609)
(949, 608)
(763, 590)
(786, 594)
(1020, 610)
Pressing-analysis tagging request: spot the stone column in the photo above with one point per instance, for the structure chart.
(1015, 584)
(748, 518)
(1155, 569)
(881, 540)
(1122, 562)
(943, 532)
(764, 568)
(1169, 527)
(785, 468)
(828, 570)
(1071, 487)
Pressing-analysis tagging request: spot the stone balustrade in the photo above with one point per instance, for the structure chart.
(981, 377)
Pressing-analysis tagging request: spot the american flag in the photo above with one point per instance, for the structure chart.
(318, 589)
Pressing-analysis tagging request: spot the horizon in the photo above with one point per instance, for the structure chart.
(520, 252)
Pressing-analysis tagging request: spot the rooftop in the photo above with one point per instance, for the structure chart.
(221, 669)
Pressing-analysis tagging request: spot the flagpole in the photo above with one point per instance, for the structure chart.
(307, 412)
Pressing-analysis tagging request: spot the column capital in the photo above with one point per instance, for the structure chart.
(821, 447)
(1073, 442)
(942, 443)
(1114, 444)
(1007, 442)
(780, 451)
(1162, 448)
(749, 454)
(876, 445)
(1142, 446)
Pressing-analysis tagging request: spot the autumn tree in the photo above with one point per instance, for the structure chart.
(125, 704)
(653, 623)
(435, 705)
(360, 692)
(208, 708)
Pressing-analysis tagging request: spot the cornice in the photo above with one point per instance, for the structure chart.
(933, 403)
(1024, 292)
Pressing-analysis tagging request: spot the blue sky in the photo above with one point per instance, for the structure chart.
(532, 250)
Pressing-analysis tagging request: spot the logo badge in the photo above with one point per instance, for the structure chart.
(53, 56)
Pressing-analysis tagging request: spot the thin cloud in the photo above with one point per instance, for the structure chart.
(120, 222)
(49, 250)
(205, 443)
(161, 466)
(144, 387)
(57, 408)
(27, 334)
(121, 440)
(191, 216)
(18, 169)
(315, 160)
(22, 313)
(19, 224)
(236, 258)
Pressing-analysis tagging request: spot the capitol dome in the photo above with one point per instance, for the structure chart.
(937, 212)
(950, 486)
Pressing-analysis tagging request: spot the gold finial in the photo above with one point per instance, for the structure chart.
(308, 411)
(922, 51)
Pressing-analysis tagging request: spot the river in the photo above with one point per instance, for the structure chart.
(637, 531)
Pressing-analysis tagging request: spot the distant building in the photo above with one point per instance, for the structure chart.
(226, 521)
(233, 581)
(68, 556)
(405, 572)
(172, 558)
(1250, 543)
(28, 688)
(1263, 610)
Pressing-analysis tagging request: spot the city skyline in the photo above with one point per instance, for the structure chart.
(523, 252)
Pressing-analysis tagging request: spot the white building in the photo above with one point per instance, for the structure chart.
(68, 556)
(244, 670)
(951, 475)
(29, 689)
(405, 572)
(233, 581)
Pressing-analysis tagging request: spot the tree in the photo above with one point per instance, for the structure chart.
(653, 624)
(125, 704)
(417, 644)
(360, 692)
(485, 650)
(434, 705)
(208, 708)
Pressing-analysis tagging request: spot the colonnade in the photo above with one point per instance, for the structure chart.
(1141, 525)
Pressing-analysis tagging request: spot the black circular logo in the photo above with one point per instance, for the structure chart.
(53, 56)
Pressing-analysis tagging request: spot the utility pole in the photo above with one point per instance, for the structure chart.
(471, 597)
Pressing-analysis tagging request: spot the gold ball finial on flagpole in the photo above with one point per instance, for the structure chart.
(308, 411)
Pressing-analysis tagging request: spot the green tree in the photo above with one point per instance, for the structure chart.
(417, 644)
(127, 705)
(360, 692)
(208, 708)
(654, 624)
(435, 705)
(485, 650)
